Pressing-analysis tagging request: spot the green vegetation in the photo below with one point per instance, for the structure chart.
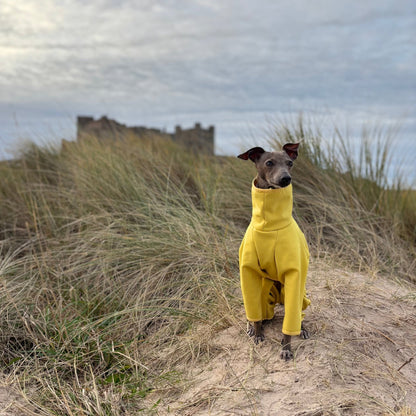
(118, 261)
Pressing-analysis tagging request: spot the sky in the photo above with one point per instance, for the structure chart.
(238, 65)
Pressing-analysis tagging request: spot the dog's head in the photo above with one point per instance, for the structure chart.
(273, 168)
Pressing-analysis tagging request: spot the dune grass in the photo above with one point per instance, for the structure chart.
(114, 254)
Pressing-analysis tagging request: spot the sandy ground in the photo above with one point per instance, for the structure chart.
(10, 402)
(358, 361)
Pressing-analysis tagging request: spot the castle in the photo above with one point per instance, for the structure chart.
(196, 138)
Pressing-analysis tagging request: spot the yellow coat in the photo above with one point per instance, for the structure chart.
(274, 249)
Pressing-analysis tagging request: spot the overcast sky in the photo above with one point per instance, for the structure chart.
(235, 64)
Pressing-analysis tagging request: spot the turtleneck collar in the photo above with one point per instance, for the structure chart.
(272, 208)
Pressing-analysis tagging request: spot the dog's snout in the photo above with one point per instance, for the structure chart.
(285, 181)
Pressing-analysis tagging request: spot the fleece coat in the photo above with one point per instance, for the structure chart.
(274, 249)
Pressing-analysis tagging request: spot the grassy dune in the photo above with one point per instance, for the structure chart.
(118, 262)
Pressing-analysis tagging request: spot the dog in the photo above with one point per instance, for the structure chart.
(274, 255)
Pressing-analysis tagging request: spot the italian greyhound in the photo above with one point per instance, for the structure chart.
(259, 273)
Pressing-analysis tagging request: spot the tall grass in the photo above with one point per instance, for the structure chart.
(109, 255)
(113, 255)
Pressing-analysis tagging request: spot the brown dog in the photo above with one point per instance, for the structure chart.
(274, 250)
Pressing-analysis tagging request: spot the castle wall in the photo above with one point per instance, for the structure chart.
(196, 138)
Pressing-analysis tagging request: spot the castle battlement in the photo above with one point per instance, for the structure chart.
(196, 138)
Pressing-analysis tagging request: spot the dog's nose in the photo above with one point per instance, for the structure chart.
(285, 181)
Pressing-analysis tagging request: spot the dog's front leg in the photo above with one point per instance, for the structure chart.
(255, 329)
(286, 353)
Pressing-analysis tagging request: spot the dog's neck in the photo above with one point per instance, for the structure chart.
(271, 208)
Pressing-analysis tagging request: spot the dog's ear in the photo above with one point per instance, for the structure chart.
(252, 154)
(291, 149)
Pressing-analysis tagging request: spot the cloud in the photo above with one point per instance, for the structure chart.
(159, 60)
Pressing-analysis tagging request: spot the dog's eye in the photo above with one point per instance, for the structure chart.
(290, 163)
(269, 163)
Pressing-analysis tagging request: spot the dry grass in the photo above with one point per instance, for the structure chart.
(119, 265)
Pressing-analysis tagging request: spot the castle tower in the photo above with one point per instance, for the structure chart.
(82, 123)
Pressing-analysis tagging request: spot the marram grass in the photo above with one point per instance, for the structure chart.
(113, 253)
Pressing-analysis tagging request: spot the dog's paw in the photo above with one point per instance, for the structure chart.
(304, 334)
(255, 330)
(250, 330)
(258, 338)
(286, 355)
(252, 333)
